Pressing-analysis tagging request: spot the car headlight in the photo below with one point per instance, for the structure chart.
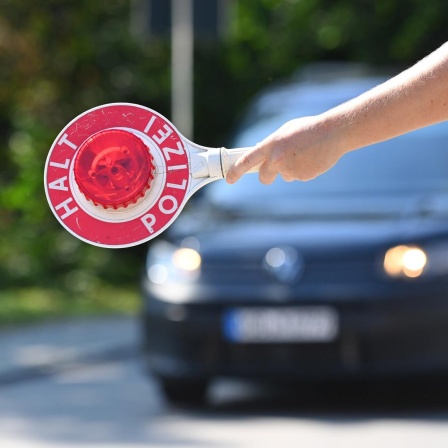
(405, 261)
(167, 262)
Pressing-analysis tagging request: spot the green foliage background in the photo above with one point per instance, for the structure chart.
(61, 57)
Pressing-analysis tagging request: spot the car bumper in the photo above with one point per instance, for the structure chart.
(377, 338)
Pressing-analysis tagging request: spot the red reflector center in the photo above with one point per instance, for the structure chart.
(114, 168)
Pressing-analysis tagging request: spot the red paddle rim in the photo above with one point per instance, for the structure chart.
(126, 219)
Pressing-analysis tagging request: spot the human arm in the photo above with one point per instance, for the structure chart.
(304, 148)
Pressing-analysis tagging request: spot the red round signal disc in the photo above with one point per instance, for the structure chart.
(117, 175)
(113, 168)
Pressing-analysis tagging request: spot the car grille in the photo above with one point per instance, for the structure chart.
(331, 272)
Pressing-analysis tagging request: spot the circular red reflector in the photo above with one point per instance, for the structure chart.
(114, 168)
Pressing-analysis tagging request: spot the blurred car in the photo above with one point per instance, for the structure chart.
(345, 276)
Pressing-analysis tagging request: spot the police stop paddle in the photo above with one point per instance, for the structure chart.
(119, 174)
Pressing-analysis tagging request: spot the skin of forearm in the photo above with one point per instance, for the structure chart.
(304, 148)
(413, 99)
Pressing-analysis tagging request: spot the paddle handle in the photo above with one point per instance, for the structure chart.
(230, 156)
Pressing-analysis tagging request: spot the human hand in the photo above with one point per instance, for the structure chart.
(301, 149)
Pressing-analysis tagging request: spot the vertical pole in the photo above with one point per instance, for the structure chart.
(140, 18)
(182, 66)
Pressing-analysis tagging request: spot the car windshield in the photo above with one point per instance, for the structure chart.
(413, 163)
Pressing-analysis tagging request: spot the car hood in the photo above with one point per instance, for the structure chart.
(327, 235)
(322, 222)
(336, 205)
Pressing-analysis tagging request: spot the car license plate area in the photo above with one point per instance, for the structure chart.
(281, 325)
